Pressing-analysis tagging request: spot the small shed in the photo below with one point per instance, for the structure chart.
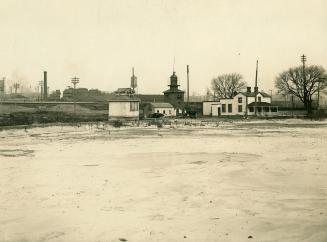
(124, 107)
(164, 108)
(209, 108)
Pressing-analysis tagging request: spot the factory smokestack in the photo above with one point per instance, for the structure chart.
(45, 86)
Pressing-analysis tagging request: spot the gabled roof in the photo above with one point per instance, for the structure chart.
(151, 97)
(161, 105)
(252, 94)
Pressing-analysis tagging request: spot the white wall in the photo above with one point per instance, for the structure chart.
(263, 99)
(122, 109)
(214, 109)
(161, 110)
(207, 107)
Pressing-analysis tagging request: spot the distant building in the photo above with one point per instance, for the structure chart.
(123, 107)
(84, 95)
(124, 91)
(243, 103)
(55, 96)
(173, 95)
(145, 98)
(163, 108)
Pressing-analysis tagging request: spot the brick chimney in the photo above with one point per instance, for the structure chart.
(248, 89)
(255, 89)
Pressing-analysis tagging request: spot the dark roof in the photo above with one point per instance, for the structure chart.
(161, 105)
(173, 91)
(124, 90)
(123, 98)
(252, 94)
(260, 104)
(151, 97)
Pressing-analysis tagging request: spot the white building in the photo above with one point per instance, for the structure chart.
(243, 103)
(124, 107)
(163, 108)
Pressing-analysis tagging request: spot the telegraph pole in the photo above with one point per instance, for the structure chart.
(188, 84)
(75, 80)
(305, 91)
(16, 86)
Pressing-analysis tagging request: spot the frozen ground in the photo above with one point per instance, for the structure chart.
(258, 181)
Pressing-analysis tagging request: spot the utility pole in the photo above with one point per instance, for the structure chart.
(305, 91)
(75, 80)
(45, 85)
(16, 85)
(256, 90)
(188, 84)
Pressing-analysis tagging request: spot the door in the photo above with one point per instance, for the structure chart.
(219, 112)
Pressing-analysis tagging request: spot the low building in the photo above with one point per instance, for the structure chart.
(124, 107)
(163, 108)
(243, 104)
(207, 107)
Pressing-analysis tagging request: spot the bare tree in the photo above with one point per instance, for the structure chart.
(225, 86)
(302, 83)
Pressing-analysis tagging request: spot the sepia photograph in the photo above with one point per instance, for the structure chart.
(163, 121)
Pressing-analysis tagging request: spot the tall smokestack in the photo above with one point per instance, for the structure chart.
(188, 84)
(45, 86)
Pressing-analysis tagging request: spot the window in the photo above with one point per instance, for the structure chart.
(179, 96)
(240, 100)
(134, 106)
(169, 111)
(230, 108)
(259, 99)
(157, 111)
(251, 109)
(266, 109)
(223, 108)
(259, 109)
(164, 111)
(240, 108)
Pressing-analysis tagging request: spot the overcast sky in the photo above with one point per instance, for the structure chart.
(101, 40)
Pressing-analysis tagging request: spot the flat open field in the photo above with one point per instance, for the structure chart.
(244, 181)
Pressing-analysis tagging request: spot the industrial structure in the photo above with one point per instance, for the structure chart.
(174, 95)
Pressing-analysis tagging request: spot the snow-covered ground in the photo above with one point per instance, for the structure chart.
(242, 181)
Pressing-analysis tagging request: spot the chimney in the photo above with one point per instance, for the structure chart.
(255, 89)
(248, 89)
(45, 86)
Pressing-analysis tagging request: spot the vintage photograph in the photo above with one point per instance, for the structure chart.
(163, 121)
